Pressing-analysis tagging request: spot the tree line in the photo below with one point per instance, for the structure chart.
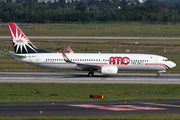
(31, 11)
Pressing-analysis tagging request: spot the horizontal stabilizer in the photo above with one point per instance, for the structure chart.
(11, 52)
(17, 55)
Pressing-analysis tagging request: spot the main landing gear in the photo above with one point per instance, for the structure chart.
(91, 73)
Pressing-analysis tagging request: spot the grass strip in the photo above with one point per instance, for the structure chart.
(38, 92)
(102, 30)
(101, 117)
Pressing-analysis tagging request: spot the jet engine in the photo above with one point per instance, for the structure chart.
(109, 70)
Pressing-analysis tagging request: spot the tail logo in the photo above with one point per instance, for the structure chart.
(20, 40)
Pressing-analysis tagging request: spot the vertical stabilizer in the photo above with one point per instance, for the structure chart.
(21, 43)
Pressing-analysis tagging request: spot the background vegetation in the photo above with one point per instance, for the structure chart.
(31, 11)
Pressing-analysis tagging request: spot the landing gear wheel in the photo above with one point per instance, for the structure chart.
(90, 74)
(158, 75)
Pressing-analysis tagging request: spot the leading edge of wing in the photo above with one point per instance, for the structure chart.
(66, 59)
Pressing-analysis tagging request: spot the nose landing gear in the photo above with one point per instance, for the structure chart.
(158, 75)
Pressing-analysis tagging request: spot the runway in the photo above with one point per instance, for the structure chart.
(90, 108)
(127, 78)
(110, 38)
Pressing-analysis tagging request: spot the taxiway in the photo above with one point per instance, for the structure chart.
(90, 108)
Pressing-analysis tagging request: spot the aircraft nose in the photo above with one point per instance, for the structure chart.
(172, 64)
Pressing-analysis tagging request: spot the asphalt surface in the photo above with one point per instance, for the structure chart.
(90, 108)
(132, 78)
(63, 37)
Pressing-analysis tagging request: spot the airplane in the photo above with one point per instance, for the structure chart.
(105, 63)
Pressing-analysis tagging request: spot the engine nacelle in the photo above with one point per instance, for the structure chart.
(109, 70)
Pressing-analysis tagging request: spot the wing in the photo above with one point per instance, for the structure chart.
(84, 66)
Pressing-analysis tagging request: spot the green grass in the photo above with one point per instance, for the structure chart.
(35, 92)
(101, 45)
(121, 30)
(101, 117)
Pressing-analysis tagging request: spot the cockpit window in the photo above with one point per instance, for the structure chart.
(165, 59)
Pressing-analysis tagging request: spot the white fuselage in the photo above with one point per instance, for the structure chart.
(124, 62)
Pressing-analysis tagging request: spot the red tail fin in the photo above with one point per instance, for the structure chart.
(16, 34)
(21, 43)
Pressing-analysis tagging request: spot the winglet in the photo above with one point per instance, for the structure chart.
(65, 57)
(70, 50)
